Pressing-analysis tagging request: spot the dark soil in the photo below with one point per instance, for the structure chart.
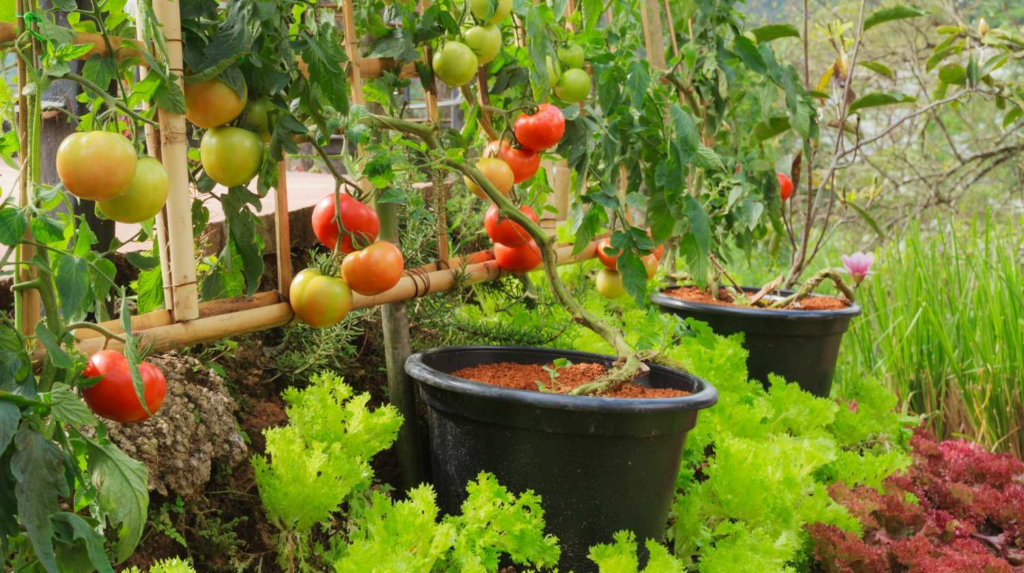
(526, 376)
(813, 302)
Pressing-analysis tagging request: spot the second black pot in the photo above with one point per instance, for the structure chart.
(600, 465)
(802, 346)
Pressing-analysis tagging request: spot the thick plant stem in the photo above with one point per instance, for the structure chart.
(809, 286)
(630, 364)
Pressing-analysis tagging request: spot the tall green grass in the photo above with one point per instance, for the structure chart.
(943, 325)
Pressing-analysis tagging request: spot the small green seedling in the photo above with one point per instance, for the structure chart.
(556, 365)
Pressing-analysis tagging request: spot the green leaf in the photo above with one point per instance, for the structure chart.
(72, 286)
(65, 5)
(10, 415)
(76, 528)
(900, 12)
(696, 262)
(242, 230)
(774, 32)
(150, 290)
(867, 219)
(687, 138)
(100, 71)
(878, 99)
(324, 56)
(121, 484)
(1012, 116)
(57, 34)
(169, 97)
(38, 468)
(707, 159)
(54, 351)
(700, 223)
(771, 127)
(46, 229)
(12, 225)
(637, 81)
(379, 171)
(67, 407)
(879, 68)
(634, 275)
(746, 49)
(953, 74)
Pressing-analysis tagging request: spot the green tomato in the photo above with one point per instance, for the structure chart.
(256, 117)
(609, 284)
(455, 64)
(554, 71)
(501, 11)
(571, 55)
(231, 156)
(574, 86)
(485, 41)
(318, 300)
(144, 198)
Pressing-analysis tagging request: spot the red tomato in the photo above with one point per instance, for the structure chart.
(361, 223)
(521, 259)
(505, 232)
(524, 163)
(373, 270)
(541, 130)
(609, 261)
(114, 396)
(785, 186)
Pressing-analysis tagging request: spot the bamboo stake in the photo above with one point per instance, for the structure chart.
(282, 230)
(153, 148)
(27, 302)
(163, 317)
(173, 151)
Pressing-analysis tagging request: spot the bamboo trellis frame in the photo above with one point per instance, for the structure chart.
(185, 321)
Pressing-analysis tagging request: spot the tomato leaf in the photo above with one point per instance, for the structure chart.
(634, 274)
(774, 32)
(900, 12)
(12, 225)
(72, 286)
(56, 354)
(75, 528)
(67, 407)
(637, 81)
(121, 485)
(38, 468)
(324, 55)
(149, 288)
(771, 127)
(10, 415)
(687, 140)
(242, 230)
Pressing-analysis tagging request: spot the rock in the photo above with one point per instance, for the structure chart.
(194, 429)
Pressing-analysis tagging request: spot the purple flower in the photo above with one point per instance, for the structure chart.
(858, 265)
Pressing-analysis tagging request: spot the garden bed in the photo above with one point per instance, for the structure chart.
(699, 295)
(550, 378)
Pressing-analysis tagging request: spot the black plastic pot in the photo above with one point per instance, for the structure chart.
(800, 345)
(600, 464)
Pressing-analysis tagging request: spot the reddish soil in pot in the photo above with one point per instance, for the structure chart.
(525, 377)
(815, 302)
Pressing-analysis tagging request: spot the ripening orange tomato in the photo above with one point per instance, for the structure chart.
(373, 270)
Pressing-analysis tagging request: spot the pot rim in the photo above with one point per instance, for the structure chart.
(662, 299)
(704, 396)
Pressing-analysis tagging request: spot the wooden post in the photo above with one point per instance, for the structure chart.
(26, 303)
(654, 41)
(177, 213)
(401, 388)
(282, 230)
(153, 149)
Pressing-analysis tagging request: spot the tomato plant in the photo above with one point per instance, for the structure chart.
(505, 232)
(113, 396)
(319, 300)
(523, 162)
(373, 270)
(361, 223)
(145, 196)
(213, 103)
(519, 259)
(231, 156)
(96, 165)
(541, 130)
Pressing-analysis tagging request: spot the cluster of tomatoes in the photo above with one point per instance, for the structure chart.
(609, 281)
(231, 156)
(104, 167)
(505, 165)
(567, 76)
(370, 267)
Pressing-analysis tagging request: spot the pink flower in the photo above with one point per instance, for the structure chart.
(858, 265)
